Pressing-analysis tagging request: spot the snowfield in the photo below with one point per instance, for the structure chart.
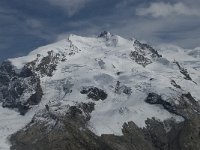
(105, 62)
(10, 122)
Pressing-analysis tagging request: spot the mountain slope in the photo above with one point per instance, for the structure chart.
(99, 84)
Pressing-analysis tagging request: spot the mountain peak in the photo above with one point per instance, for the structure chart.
(105, 34)
(100, 83)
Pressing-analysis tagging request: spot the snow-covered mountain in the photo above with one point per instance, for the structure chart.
(106, 81)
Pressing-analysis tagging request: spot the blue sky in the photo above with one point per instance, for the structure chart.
(28, 24)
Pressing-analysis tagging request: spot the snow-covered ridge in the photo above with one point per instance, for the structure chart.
(195, 53)
(106, 62)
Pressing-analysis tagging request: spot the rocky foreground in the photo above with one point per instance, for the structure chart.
(70, 132)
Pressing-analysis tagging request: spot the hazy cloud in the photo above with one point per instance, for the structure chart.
(162, 9)
(71, 6)
(28, 24)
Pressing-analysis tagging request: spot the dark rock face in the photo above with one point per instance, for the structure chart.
(47, 64)
(118, 73)
(26, 72)
(187, 107)
(182, 136)
(6, 73)
(132, 139)
(140, 59)
(19, 90)
(143, 53)
(6, 67)
(146, 47)
(154, 98)
(70, 137)
(81, 111)
(104, 34)
(190, 134)
(175, 84)
(94, 93)
(87, 108)
(183, 71)
(156, 133)
(122, 89)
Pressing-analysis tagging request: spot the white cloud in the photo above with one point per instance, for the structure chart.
(71, 6)
(166, 9)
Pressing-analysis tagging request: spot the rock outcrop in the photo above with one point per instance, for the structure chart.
(19, 90)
